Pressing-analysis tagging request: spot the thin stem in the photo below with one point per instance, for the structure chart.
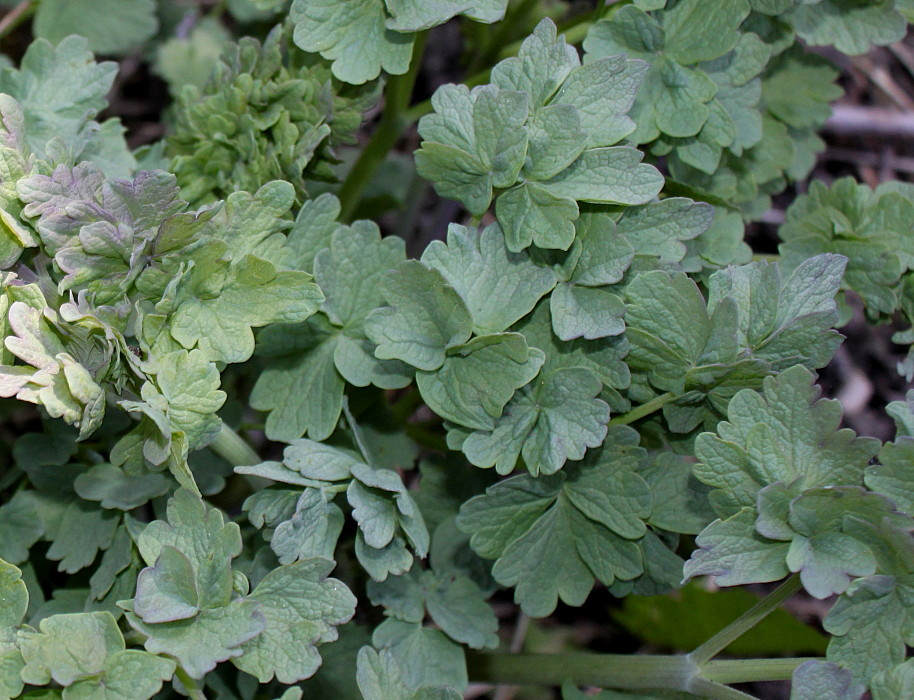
(745, 622)
(643, 410)
(751, 670)
(356, 431)
(602, 670)
(770, 257)
(194, 691)
(393, 122)
(704, 688)
(233, 449)
(626, 672)
(16, 16)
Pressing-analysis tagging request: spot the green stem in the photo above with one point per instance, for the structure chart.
(745, 622)
(602, 670)
(394, 120)
(770, 257)
(626, 672)
(233, 449)
(751, 670)
(643, 410)
(16, 16)
(195, 692)
(356, 431)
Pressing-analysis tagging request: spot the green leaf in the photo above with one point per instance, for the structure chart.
(78, 531)
(21, 528)
(585, 312)
(352, 34)
(480, 268)
(426, 317)
(218, 303)
(686, 350)
(111, 26)
(735, 554)
(554, 535)
(798, 88)
(349, 273)
(680, 500)
(113, 488)
(189, 382)
(426, 656)
(894, 476)
(821, 680)
(301, 364)
(784, 435)
(212, 636)
(663, 228)
(168, 591)
(603, 357)
(380, 563)
(784, 323)
(849, 26)
(302, 609)
(454, 602)
(474, 141)
(15, 603)
(868, 227)
(699, 30)
(312, 531)
(417, 15)
(608, 176)
(381, 506)
(529, 213)
(60, 90)
(896, 683)
(478, 378)
(552, 420)
(191, 60)
(128, 675)
(872, 622)
(69, 647)
(312, 231)
(380, 677)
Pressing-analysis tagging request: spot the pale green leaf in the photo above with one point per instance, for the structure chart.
(302, 608)
(553, 419)
(478, 378)
(849, 26)
(352, 34)
(425, 318)
(301, 364)
(111, 26)
(480, 268)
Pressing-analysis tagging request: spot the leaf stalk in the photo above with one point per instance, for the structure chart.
(233, 449)
(643, 410)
